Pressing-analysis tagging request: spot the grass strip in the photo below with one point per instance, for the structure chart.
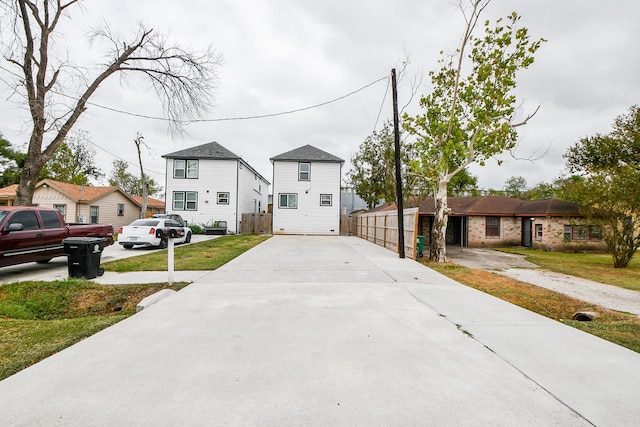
(207, 255)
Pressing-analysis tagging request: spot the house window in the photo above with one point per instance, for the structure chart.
(62, 209)
(492, 226)
(185, 168)
(304, 171)
(120, 209)
(185, 201)
(582, 232)
(223, 198)
(94, 214)
(538, 231)
(192, 169)
(288, 201)
(178, 201)
(325, 200)
(179, 168)
(192, 201)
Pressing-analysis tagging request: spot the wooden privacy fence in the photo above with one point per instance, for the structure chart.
(381, 228)
(253, 223)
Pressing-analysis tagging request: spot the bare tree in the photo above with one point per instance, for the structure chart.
(182, 79)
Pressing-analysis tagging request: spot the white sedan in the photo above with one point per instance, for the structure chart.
(151, 232)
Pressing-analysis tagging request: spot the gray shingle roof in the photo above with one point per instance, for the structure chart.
(307, 153)
(212, 150)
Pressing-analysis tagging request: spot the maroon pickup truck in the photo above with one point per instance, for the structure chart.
(34, 234)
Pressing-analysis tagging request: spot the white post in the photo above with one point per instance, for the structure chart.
(170, 261)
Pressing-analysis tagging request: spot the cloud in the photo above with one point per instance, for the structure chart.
(287, 54)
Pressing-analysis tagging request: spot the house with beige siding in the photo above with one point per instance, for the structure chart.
(306, 192)
(87, 204)
(492, 221)
(209, 184)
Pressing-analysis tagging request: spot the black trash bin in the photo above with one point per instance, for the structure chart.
(83, 256)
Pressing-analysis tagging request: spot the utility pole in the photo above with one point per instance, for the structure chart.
(396, 137)
(145, 185)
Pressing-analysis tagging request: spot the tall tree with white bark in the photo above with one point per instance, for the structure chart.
(183, 79)
(470, 114)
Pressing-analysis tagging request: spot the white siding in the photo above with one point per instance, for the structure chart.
(219, 176)
(214, 176)
(253, 192)
(309, 217)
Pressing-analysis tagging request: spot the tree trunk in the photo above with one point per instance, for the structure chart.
(438, 251)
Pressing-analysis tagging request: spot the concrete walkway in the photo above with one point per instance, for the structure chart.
(329, 331)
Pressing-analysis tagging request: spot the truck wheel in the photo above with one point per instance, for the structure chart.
(127, 246)
(44, 261)
(188, 238)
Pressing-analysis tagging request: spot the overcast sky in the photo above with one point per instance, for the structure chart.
(281, 55)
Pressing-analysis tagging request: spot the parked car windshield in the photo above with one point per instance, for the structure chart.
(3, 214)
(144, 223)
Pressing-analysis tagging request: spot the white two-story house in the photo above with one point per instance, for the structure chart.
(208, 183)
(306, 192)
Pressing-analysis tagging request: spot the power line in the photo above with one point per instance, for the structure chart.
(384, 98)
(262, 116)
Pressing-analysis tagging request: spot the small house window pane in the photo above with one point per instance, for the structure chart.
(288, 201)
(94, 213)
(492, 228)
(179, 167)
(304, 171)
(192, 169)
(192, 201)
(325, 199)
(178, 201)
(223, 198)
(120, 209)
(539, 231)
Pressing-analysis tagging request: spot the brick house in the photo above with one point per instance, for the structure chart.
(492, 221)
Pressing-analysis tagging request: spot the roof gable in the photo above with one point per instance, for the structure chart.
(212, 150)
(78, 193)
(307, 153)
(151, 202)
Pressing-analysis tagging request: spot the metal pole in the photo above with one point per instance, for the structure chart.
(396, 137)
(170, 250)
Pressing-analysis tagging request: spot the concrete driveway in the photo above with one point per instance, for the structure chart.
(516, 267)
(329, 331)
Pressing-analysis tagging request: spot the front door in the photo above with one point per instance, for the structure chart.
(526, 232)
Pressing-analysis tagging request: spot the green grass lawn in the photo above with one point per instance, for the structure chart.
(597, 267)
(207, 255)
(38, 319)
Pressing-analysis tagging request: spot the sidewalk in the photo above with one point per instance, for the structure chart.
(329, 331)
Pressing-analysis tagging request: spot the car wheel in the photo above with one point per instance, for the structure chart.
(163, 243)
(127, 246)
(188, 238)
